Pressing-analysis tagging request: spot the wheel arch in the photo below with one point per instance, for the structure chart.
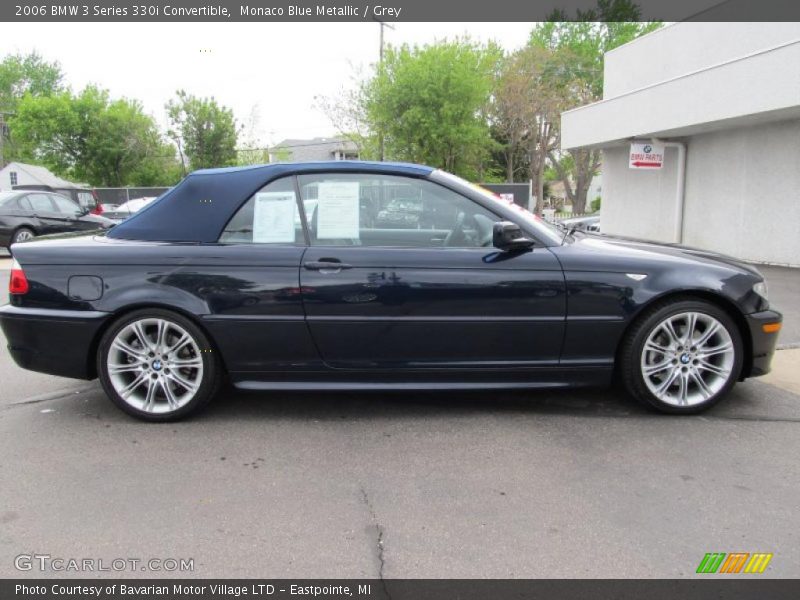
(126, 310)
(717, 300)
(27, 226)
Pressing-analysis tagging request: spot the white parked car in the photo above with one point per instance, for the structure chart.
(126, 209)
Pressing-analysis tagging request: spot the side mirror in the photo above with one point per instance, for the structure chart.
(508, 236)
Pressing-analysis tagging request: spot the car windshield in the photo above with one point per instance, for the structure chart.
(6, 196)
(546, 230)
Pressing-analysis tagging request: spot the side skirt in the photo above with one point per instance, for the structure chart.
(369, 381)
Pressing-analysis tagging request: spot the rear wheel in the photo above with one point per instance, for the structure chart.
(23, 234)
(682, 356)
(157, 365)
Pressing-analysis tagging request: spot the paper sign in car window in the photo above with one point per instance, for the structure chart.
(337, 213)
(273, 218)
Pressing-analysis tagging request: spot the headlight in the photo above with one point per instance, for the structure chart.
(761, 289)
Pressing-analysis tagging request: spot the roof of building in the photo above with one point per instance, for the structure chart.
(316, 148)
(42, 175)
(708, 77)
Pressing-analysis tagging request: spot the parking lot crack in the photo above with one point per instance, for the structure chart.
(58, 395)
(379, 539)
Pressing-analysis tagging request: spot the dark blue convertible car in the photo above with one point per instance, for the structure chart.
(375, 276)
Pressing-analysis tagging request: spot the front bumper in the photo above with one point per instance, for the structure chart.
(763, 343)
(57, 342)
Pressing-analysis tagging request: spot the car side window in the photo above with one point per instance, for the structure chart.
(66, 206)
(41, 203)
(358, 209)
(270, 216)
(24, 203)
(86, 200)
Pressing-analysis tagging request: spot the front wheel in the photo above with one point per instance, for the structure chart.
(157, 365)
(682, 356)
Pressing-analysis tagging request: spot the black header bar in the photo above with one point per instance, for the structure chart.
(383, 10)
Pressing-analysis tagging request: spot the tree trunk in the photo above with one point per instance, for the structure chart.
(540, 186)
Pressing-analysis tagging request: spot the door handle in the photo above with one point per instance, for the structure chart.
(326, 265)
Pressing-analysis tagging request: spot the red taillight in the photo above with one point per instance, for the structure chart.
(98, 209)
(18, 284)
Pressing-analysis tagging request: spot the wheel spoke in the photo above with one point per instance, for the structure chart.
(149, 400)
(177, 346)
(712, 368)
(651, 370)
(668, 381)
(189, 386)
(138, 330)
(683, 388)
(137, 381)
(125, 347)
(652, 346)
(674, 338)
(186, 363)
(722, 348)
(705, 391)
(161, 330)
(115, 369)
(170, 395)
(691, 323)
(706, 335)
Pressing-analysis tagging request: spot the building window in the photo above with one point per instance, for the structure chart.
(13, 176)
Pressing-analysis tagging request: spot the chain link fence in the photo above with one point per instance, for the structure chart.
(120, 195)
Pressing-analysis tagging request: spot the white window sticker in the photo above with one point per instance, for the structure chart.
(337, 213)
(273, 218)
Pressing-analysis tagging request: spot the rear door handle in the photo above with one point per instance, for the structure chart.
(326, 265)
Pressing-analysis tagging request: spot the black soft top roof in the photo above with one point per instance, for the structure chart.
(198, 207)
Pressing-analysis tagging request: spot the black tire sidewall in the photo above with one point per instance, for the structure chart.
(211, 366)
(631, 370)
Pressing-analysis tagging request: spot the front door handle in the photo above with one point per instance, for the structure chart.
(326, 265)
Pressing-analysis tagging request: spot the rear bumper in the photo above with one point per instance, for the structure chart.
(57, 342)
(763, 343)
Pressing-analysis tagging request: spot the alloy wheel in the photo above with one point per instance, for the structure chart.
(23, 236)
(155, 365)
(687, 359)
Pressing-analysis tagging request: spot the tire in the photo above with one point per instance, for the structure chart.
(674, 373)
(23, 234)
(137, 362)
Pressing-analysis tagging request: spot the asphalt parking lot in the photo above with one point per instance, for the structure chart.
(568, 484)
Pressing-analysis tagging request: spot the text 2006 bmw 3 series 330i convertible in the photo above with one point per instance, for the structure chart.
(375, 276)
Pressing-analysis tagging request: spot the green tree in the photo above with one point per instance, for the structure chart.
(527, 104)
(20, 75)
(205, 132)
(90, 138)
(430, 104)
(581, 43)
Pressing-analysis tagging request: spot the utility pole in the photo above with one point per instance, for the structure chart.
(2, 137)
(3, 133)
(380, 128)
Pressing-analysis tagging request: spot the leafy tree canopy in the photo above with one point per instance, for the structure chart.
(205, 132)
(90, 138)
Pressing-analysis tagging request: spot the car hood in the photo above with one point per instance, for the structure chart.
(632, 252)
